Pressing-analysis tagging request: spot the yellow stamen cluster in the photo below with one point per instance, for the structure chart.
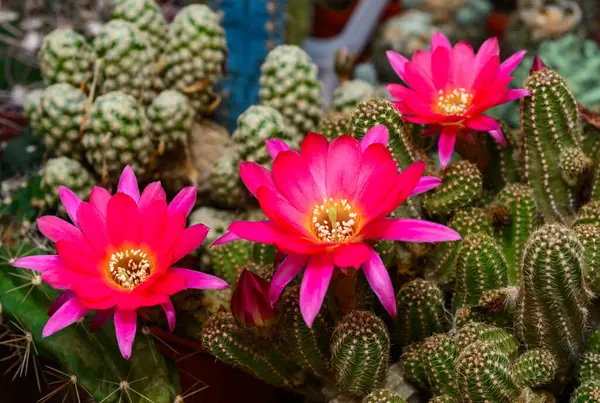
(129, 268)
(334, 221)
(455, 102)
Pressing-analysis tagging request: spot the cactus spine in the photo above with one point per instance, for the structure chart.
(589, 392)
(589, 236)
(171, 118)
(494, 336)
(413, 366)
(438, 354)
(535, 368)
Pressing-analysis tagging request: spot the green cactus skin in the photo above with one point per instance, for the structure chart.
(228, 190)
(589, 392)
(522, 215)
(550, 121)
(413, 366)
(147, 17)
(480, 266)
(118, 134)
(349, 94)
(494, 336)
(63, 171)
(553, 302)
(289, 83)
(257, 124)
(496, 307)
(443, 399)
(171, 117)
(574, 164)
(592, 344)
(484, 375)
(360, 348)
(588, 367)
(230, 344)
(535, 368)
(589, 236)
(461, 187)
(309, 346)
(334, 124)
(588, 214)
(228, 259)
(595, 191)
(438, 354)
(383, 396)
(421, 311)
(65, 57)
(504, 162)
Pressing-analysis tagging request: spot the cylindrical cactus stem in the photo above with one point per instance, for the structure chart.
(535, 368)
(588, 367)
(309, 346)
(461, 187)
(589, 392)
(443, 399)
(521, 212)
(550, 121)
(229, 343)
(494, 336)
(588, 214)
(421, 311)
(589, 236)
(228, 259)
(438, 356)
(413, 366)
(360, 352)
(504, 164)
(496, 307)
(484, 375)
(383, 396)
(480, 266)
(553, 302)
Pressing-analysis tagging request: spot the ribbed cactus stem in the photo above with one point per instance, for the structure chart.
(551, 126)
(552, 308)
(588, 367)
(421, 311)
(334, 124)
(443, 399)
(504, 163)
(383, 396)
(413, 366)
(360, 352)
(535, 368)
(588, 214)
(589, 392)
(494, 336)
(589, 236)
(228, 259)
(438, 355)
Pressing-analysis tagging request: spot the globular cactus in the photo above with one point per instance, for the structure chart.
(438, 356)
(535, 368)
(521, 217)
(222, 337)
(413, 365)
(421, 311)
(66, 57)
(589, 392)
(171, 117)
(308, 346)
(589, 236)
(334, 124)
(480, 266)
(349, 94)
(227, 188)
(360, 349)
(553, 303)
(495, 337)
(195, 55)
(289, 83)
(118, 134)
(147, 16)
(228, 259)
(63, 171)
(588, 367)
(383, 396)
(32, 105)
(126, 61)
(588, 214)
(496, 307)
(484, 375)
(257, 124)
(552, 134)
(504, 161)
(58, 119)
(461, 187)
(574, 164)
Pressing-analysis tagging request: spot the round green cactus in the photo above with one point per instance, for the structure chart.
(383, 396)
(574, 163)
(588, 214)
(147, 16)
(589, 392)
(32, 104)
(438, 355)
(494, 336)
(535, 368)
(443, 399)
(589, 236)
(349, 94)
(413, 365)
(63, 171)
(228, 260)
(334, 124)
(227, 188)
(171, 117)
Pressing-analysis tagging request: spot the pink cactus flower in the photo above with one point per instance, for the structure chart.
(250, 302)
(119, 256)
(325, 204)
(450, 89)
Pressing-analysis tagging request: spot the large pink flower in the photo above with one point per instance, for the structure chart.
(118, 256)
(450, 88)
(325, 203)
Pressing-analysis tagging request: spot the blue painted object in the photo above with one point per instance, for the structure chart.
(253, 28)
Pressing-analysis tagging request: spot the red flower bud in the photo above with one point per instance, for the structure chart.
(250, 302)
(538, 64)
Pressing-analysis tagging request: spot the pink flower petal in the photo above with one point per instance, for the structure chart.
(380, 282)
(60, 301)
(189, 240)
(101, 317)
(175, 227)
(422, 60)
(99, 198)
(39, 263)
(123, 219)
(168, 284)
(282, 212)
(125, 328)
(373, 158)
(314, 150)
(275, 146)
(184, 201)
(152, 193)
(419, 81)
(463, 60)
(71, 202)
(69, 313)
(410, 230)
(128, 184)
(287, 270)
(93, 226)
(374, 189)
(259, 231)
(403, 185)
(446, 144)
(485, 75)
(512, 95)
(314, 286)
(352, 254)
(254, 176)
(294, 181)
(226, 238)
(343, 166)
(199, 280)
(155, 219)
(441, 67)
(78, 256)
(56, 229)
(488, 50)
(511, 63)
(170, 313)
(439, 40)
(426, 183)
(376, 135)
(487, 124)
(397, 61)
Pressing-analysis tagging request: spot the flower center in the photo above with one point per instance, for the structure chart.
(129, 268)
(455, 102)
(334, 221)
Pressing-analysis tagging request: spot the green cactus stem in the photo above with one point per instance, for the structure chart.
(383, 396)
(494, 336)
(413, 366)
(438, 354)
(589, 236)
(588, 367)
(227, 259)
(535, 368)
(443, 399)
(334, 124)
(588, 214)
(589, 392)
(504, 162)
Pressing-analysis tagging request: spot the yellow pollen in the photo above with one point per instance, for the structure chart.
(334, 221)
(455, 102)
(129, 268)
